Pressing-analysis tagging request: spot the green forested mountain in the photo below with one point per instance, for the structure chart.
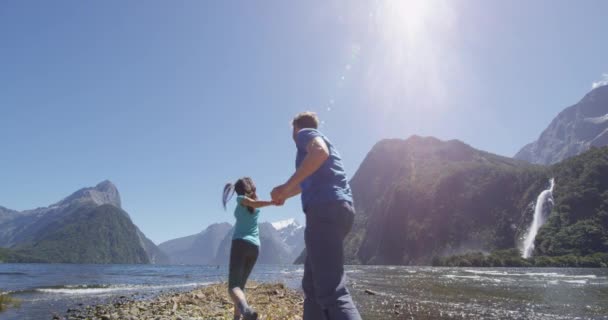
(86, 227)
(421, 198)
(102, 234)
(578, 224)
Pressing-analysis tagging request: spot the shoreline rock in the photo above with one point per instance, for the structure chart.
(272, 301)
(6, 301)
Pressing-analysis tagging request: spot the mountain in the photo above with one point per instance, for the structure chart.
(273, 250)
(88, 226)
(573, 131)
(281, 243)
(422, 198)
(200, 248)
(17, 227)
(292, 234)
(578, 223)
(576, 231)
(103, 193)
(92, 234)
(154, 253)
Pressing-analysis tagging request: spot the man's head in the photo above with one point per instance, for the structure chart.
(304, 120)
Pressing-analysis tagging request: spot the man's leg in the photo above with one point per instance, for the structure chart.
(312, 310)
(326, 228)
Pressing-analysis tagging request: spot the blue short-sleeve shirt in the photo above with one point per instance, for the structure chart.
(329, 183)
(246, 226)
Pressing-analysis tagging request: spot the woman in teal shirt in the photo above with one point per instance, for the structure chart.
(245, 242)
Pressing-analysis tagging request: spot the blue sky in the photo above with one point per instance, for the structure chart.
(171, 99)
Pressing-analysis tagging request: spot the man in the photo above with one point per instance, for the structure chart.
(328, 204)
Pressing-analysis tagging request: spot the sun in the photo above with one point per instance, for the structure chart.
(412, 52)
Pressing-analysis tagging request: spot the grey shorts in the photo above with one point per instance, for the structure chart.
(243, 256)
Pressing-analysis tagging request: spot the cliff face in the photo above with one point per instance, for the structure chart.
(572, 132)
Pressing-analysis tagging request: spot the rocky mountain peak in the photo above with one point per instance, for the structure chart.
(104, 192)
(573, 131)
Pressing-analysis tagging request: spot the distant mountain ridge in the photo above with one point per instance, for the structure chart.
(573, 131)
(281, 242)
(292, 234)
(198, 249)
(61, 228)
(272, 249)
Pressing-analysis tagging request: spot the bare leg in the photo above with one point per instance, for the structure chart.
(238, 297)
(240, 303)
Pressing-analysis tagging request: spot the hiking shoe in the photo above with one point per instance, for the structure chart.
(249, 314)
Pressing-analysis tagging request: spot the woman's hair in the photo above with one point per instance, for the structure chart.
(242, 187)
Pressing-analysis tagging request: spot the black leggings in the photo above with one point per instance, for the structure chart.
(243, 256)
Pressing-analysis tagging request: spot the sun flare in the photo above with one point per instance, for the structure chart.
(413, 52)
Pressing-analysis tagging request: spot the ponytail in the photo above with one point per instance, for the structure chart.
(228, 193)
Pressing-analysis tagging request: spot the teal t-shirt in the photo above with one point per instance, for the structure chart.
(246, 226)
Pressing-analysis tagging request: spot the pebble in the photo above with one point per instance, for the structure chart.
(370, 292)
(210, 302)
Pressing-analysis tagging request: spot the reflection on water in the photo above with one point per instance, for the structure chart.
(401, 292)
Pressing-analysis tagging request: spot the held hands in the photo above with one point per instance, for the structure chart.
(279, 194)
(278, 203)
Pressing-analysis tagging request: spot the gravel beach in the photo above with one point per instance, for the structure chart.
(272, 301)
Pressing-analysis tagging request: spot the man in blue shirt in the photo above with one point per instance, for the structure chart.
(328, 204)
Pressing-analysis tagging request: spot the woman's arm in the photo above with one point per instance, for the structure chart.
(248, 202)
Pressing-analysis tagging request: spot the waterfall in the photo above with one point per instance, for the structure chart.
(539, 219)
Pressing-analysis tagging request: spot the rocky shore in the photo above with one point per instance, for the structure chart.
(272, 301)
(6, 301)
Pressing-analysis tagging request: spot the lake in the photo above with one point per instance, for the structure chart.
(400, 292)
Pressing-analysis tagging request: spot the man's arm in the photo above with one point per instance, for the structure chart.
(288, 194)
(293, 192)
(317, 154)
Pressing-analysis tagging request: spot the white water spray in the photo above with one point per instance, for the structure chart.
(539, 219)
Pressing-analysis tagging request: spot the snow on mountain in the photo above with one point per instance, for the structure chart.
(598, 120)
(292, 234)
(280, 225)
(575, 130)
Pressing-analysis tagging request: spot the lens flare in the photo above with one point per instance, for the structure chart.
(412, 51)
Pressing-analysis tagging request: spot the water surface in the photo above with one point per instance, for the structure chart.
(401, 292)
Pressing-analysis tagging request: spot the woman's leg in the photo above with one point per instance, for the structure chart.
(234, 274)
(250, 259)
(251, 256)
(238, 297)
(238, 262)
